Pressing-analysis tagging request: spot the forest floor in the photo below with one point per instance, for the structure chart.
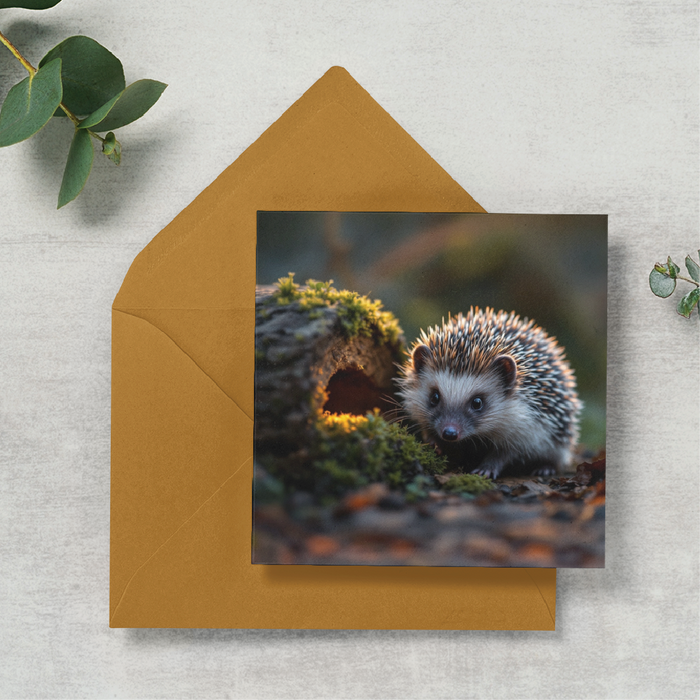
(524, 522)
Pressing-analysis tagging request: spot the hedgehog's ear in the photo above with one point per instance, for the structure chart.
(505, 367)
(421, 355)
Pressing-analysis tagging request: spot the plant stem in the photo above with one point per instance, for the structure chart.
(30, 68)
(95, 136)
(687, 279)
(70, 114)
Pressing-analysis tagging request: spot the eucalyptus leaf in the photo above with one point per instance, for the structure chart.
(693, 268)
(99, 114)
(688, 302)
(91, 74)
(30, 104)
(673, 269)
(661, 284)
(126, 107)
(29, 4)
(78, 167)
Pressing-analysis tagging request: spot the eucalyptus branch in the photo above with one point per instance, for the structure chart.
(662, 281)
(85, 81)
(32, 72)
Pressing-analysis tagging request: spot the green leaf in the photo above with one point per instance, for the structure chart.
(126, 107)
(30, 104)
(78, 167)
(661, 284)
(693, 268)
(673, 269)
(112, 148)
(688, 302)
(91, 74)
(99, 114)
(29, 4)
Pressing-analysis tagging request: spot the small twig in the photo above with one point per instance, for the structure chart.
(70, 115)
(30, 68)
(95, 136)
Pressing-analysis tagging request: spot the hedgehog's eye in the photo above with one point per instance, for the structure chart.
(434, 397)
(477, 403)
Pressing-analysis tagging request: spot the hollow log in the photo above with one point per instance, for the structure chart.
(305, 363)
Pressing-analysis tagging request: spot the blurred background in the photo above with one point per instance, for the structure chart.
(552, 268)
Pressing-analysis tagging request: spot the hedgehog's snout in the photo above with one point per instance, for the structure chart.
(450, 433)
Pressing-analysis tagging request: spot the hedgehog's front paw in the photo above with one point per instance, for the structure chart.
(545, 470)
(488, 472)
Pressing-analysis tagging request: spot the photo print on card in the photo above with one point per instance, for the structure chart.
(430, 389)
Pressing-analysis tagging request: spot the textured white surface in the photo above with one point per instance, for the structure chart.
(554, 107)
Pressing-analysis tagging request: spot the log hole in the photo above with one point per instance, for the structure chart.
(350, 390)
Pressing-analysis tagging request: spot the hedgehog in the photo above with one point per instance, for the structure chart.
(494, 393)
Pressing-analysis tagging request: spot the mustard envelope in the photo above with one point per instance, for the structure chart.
(182, 399)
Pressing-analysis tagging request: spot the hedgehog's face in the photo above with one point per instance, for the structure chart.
(454, 407)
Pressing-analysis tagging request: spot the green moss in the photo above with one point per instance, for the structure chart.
(358, 315)
(469, 484)
(353, 451)
(349, 451)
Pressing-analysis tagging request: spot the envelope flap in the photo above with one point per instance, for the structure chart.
(335, 127)
(216, 341)
(162, 471)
